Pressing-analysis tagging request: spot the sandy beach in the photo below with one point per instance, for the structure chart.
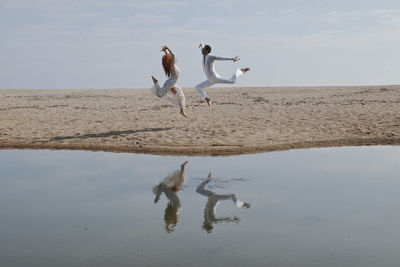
(241, 120)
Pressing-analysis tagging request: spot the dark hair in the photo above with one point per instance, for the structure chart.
(208, 48)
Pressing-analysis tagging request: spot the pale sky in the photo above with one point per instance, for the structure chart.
(116, 43)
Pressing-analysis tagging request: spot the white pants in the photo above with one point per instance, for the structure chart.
(217, 79)
(159, 91)
(177, 100)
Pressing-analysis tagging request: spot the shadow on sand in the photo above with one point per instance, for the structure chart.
(108, 134)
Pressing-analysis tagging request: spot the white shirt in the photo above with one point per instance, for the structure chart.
(209, 66)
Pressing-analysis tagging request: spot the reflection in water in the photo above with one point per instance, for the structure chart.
(213, 199)
(332, 207)
(170, 186)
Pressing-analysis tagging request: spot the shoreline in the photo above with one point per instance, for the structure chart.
(242, 120)
(214, 151)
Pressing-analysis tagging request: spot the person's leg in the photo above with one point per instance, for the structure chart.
(239, 203)
(234, 77)
(200, 88)
(164, 89)
(226, 80)
(201, 187)
(156, 87)
(160, 91)
(183, 113)
(174, 90)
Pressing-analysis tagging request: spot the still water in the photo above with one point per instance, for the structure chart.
(316, 207)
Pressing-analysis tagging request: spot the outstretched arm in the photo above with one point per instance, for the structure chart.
(227, 58)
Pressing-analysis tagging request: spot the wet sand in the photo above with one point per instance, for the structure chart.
(241, 120)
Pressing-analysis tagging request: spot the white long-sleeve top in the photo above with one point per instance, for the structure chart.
(171, 81)
(209, 65)
(165, 93)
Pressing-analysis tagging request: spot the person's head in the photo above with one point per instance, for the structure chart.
(208, 227)
(168, 64)
(206, 50)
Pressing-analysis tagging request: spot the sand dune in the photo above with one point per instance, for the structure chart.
(241, 120)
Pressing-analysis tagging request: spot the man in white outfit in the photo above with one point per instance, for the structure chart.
(212, 76)
(210, 209)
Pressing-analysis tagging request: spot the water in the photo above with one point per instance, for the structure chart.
(317, 207)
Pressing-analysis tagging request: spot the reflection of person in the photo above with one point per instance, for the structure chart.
(212, 76)
(170, 91)
(170, 186)
(213, 199)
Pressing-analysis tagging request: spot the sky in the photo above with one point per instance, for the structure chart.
(53, 44)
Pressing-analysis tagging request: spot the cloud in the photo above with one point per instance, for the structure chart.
(100, 34)
(49, 6)
(59, 7)
(388, 17)
(225, 5)
(170, 5)
(378, 17)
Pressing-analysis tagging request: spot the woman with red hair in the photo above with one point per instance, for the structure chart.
(170, 91)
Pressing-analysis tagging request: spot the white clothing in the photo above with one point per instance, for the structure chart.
(170, 186)
(175, 179)
(210, 217)
(165, 93)
(177, 100)
(207, 83)
(213, 77)
(209, 66)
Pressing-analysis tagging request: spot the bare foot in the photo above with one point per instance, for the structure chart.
(154, 79)
(209, 176)
(245, 70)
(184, 114)
(208, 102)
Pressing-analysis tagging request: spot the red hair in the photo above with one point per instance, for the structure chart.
(167, 64)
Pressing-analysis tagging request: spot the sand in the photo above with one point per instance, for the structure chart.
(241, 120)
